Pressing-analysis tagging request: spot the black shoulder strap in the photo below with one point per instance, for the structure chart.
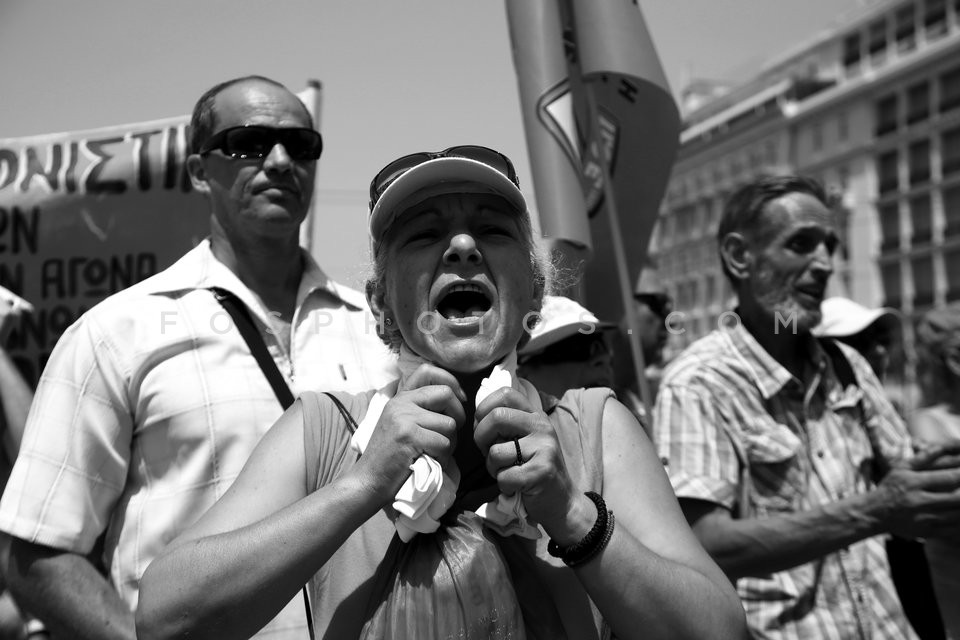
(841, 364)
(847, 377)
(244, 323)
(351, 422)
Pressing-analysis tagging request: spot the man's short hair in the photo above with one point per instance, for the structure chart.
(744, 208)
(202, 121)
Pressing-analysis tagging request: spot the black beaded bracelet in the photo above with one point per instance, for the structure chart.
(592, 543)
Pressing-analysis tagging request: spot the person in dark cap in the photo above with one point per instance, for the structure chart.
(652, 306)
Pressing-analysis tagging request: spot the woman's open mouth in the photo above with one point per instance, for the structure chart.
(464, 303)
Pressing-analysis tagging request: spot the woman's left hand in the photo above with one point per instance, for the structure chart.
(507, 418)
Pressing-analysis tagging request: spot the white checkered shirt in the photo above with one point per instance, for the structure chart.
(151, 403)
(726, 393)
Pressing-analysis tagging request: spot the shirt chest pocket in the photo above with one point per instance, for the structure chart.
(777, 470)
(850, 443)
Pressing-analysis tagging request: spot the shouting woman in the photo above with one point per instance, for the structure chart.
(458, 502)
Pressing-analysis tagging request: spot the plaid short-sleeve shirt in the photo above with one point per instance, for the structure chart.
(725, 401)
(151, 403)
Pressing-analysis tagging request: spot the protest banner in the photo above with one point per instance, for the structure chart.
(598, 113)
(85, 214)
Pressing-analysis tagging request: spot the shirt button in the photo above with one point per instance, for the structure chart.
(665, 461)
(820, 453)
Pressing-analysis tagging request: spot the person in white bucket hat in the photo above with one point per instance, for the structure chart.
(567, 349)
(872, 332)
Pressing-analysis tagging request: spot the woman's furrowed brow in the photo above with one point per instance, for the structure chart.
(487, 209)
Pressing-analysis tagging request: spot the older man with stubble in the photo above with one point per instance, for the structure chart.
(788, 460)
(152, 401)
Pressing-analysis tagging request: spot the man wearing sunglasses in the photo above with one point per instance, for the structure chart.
(152, 401)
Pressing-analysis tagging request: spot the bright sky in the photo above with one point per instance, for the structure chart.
(398, 75)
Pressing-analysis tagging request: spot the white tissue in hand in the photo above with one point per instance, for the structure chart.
(425, 496)
(430, 490)
(499, 378)
(421, 487)
(508, 517)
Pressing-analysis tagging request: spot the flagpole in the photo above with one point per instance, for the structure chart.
(623, 275)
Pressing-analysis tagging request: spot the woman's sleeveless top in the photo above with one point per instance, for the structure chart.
(341, 590)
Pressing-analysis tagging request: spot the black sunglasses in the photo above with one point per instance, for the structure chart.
(400, 166)
(256, 141)
(660, 304)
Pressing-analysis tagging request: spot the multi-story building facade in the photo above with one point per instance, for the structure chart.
(871, 107)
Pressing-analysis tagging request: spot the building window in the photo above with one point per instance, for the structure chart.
(886, 114)
(877, 43)
(921, 219)
(950, 151)
(718, 204)
(890, 227)
(887, 171)
(718, 174)
(919, 163)
(670, 230)
(710, 290)
(918, 102)
(851, 51)
(951, 213)
(892, 289)
(735, 167)
(922, 268)
(935, 18)
(685, 219)
(683, 300)
(816, 137)
(951, 260)
(906, 30)
(771, 152)
(950, 90)
(842, 212)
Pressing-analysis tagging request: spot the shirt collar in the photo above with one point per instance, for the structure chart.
(768, 374)
(200, 269)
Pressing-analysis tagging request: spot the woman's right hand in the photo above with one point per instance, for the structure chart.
(422, 418)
